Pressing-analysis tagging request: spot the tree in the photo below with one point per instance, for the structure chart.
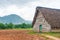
(2, 26)
(10, 26)
(23, 25)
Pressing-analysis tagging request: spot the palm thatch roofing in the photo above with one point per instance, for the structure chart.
(52, 16)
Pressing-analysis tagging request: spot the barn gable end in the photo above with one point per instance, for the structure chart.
(46, 17)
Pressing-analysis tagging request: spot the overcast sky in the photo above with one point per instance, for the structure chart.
(25, 8)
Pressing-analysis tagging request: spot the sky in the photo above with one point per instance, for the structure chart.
(25, 8)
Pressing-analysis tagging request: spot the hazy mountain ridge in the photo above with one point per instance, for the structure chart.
(13, 18)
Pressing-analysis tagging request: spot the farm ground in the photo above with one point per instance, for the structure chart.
(20, 35)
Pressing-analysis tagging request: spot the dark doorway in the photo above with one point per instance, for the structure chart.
(40, 27)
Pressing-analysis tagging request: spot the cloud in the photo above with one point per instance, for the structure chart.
(4, 3)
(27, 12)
(25, 8)
(50, 3)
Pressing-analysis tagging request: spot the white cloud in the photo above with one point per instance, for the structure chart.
(27, 12)
(50, 3)
(8, 10)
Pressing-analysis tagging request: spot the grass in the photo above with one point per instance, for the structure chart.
(55, 34)
(23, 28)
(18, 29)
(40, 34)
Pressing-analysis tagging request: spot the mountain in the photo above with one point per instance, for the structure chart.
(13, 18)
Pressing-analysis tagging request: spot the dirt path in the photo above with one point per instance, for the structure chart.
(18, 35)
(54, 38)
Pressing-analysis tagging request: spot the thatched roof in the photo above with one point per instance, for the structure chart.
(52, 16)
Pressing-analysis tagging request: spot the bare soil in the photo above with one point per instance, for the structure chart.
(18, 35)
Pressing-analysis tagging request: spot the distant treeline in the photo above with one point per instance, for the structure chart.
(12, 26)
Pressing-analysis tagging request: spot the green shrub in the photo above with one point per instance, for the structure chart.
(11, 26)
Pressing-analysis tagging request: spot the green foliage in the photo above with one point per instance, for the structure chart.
(12, 26)
(23, 25)
(2, 26)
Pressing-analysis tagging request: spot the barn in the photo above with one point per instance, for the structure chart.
(46, 20)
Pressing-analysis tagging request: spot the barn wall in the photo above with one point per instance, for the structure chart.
(41, 20)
